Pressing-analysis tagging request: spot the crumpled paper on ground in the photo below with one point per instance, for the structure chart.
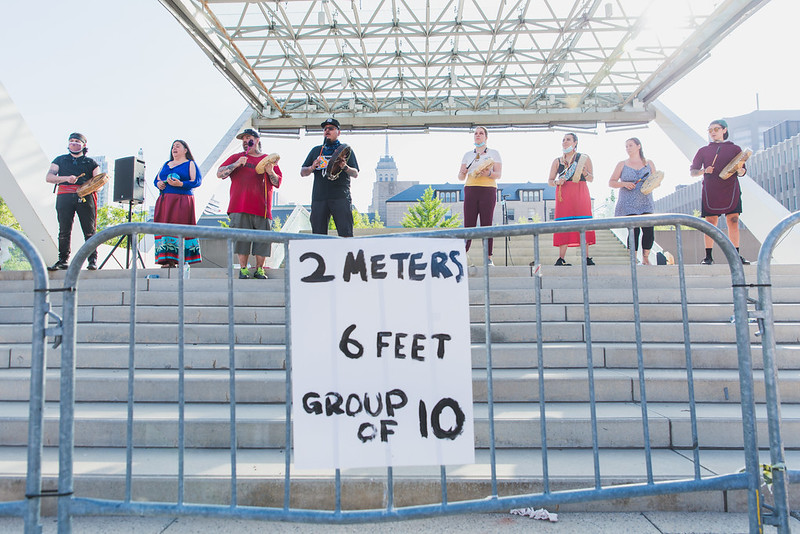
(541, 514)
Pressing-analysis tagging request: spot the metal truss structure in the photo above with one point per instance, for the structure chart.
(394, 64)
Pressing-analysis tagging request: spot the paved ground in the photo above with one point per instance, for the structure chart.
(584, 523)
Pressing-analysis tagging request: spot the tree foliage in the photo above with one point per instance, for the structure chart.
(112, 215)
(360, 220)
(429, 212)
(17, 260)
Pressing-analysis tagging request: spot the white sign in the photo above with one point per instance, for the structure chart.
(381, 365)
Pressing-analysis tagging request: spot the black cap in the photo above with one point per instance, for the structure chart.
(331, 121)
(76, 135)
(248, 131)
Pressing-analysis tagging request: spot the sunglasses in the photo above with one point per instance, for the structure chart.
(714, 129)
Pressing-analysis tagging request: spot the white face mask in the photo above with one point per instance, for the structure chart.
(568, 149)
(479, 145)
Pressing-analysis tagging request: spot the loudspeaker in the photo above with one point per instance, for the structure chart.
(129, 180)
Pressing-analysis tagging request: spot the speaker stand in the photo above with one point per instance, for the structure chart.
(119, 242)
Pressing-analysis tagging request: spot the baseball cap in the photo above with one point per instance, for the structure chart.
(331, 121)
(248, 131)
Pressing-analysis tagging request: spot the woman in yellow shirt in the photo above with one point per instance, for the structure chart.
(480, 190)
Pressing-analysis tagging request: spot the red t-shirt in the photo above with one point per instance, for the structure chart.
(248, 194)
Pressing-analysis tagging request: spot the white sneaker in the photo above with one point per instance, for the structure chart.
(491, 263)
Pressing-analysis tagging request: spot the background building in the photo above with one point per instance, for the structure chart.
(777, 168)
(386, 184)
(105, 193)
(528, 201)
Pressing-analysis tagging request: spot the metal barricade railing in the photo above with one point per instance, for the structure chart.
(781, 475)
(748, 480)
(31, 507)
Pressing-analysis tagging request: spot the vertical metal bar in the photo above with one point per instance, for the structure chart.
(338, 490)
(287, 306)
(66, 432)
(772, 391)
(443, 482)
(134, 237)
(777, 454)
(687, 347)
(487, 321)
(41, 308)
(232, 376)
(389, 489)
(587, 325)
(637, 322)
(181, 370)
(537, 291)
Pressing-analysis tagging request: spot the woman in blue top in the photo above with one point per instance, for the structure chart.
(175, 204)
(628, 177)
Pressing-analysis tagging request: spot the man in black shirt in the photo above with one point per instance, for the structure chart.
(330, 197)
(68, 172)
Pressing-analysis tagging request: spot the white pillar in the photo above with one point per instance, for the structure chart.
(762, 213)
(23, 166)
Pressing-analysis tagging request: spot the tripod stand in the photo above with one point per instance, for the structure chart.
(507, 239)
(128, 246)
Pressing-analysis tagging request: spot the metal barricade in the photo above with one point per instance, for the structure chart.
(30, 508)
(781, 475)
(747, 480)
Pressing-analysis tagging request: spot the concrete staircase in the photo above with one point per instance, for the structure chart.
(519, 251)
(101, 392)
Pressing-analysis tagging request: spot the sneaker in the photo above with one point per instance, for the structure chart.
(92, 266)
(744, 261)
(560, 262)
(491, 263)
(244, 273)
(60, 265)
(589, 261)
(260, 274)
(707, 261)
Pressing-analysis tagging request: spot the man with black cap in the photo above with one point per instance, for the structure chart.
(331, 194)
(250, 205)
(69, 172)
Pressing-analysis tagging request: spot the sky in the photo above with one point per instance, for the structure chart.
(132, 78)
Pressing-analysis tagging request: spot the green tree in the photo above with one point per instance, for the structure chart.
(429, 212)
(360, 220)
(17, 261)
(112, 215)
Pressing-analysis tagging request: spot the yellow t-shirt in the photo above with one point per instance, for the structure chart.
(471, 163)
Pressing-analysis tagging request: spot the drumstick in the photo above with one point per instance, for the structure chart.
(715, 158)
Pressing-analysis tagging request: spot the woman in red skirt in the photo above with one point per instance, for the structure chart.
(572, 197)
(175, 204)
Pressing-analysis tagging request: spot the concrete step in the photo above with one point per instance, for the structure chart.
(100, 471)
(518, 332)
(500, 313)
(516, 425)
(505, 356)
(608, 332)
(509, 385)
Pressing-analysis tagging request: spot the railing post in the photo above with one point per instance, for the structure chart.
(780, 517)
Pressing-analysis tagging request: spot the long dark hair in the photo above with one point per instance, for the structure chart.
(188, 150)
(641, 151)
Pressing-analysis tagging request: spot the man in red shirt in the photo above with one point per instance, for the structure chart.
(250, 205)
